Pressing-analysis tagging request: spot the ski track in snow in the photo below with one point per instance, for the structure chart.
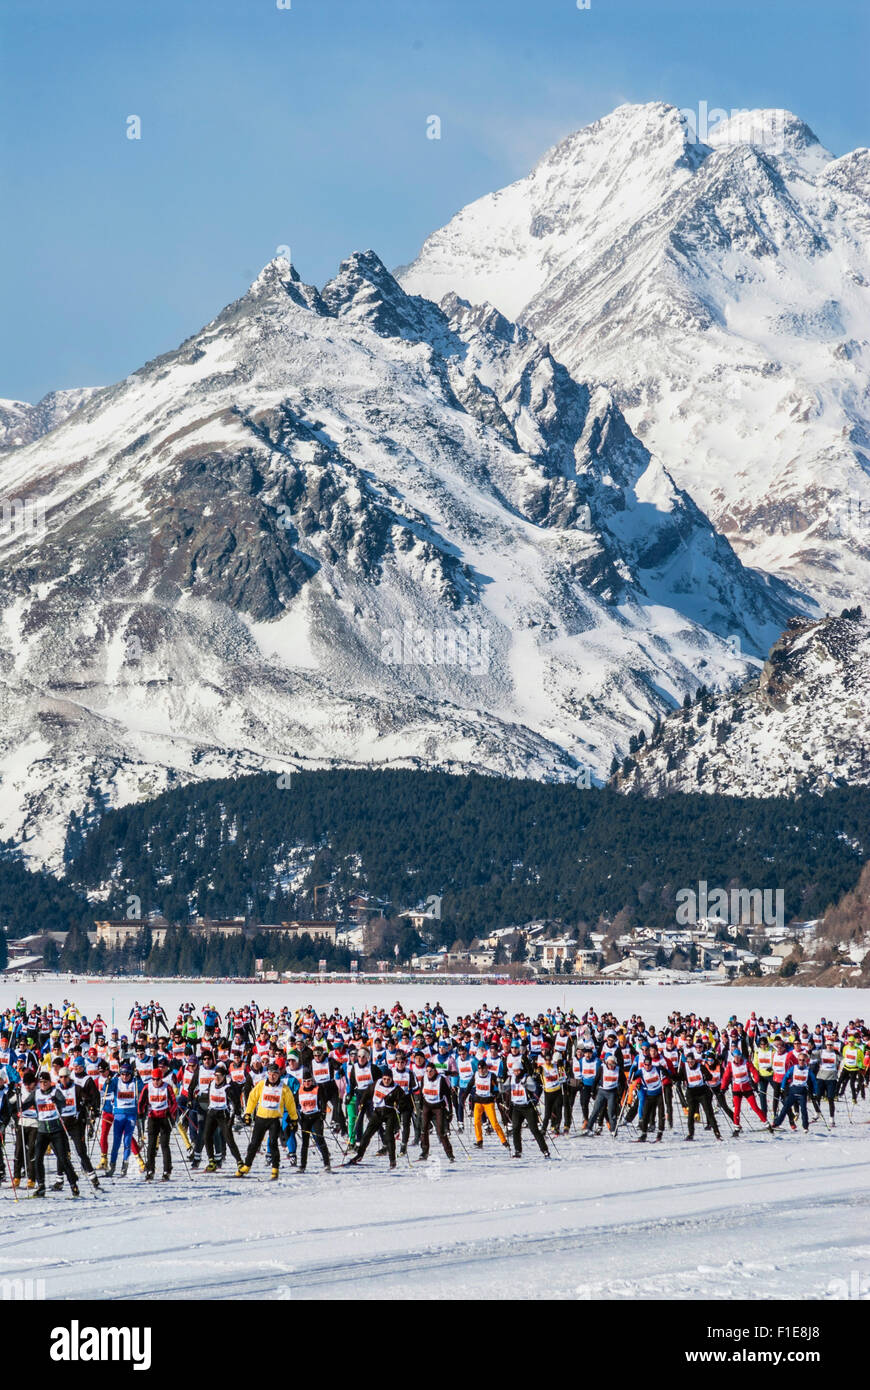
(594, 1223)
(604, 1219)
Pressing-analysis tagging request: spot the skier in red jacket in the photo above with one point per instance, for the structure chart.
(741, 1075)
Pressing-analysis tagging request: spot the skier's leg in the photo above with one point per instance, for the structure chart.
(478, 1123)
(532, 1119)
(517, 1130)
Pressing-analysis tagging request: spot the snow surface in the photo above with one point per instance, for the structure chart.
(753, 1218)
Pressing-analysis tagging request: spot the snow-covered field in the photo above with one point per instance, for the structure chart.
(756, 1217)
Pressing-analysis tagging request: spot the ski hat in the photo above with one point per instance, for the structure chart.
(157, 1074)
(126, 1065)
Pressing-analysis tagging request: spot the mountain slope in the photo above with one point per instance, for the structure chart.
(802, 725)
(721, 291)
(351, 527)
(22, 423)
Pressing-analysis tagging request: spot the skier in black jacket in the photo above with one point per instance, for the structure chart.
(388, 1101)
(435, 1110)
(50, 1102)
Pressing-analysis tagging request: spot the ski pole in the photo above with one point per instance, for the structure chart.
(462, 1145)
(181, 1150)
(23, 1139)
(8, 1166)
(620, 1114)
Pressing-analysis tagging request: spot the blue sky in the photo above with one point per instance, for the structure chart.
(306, 127)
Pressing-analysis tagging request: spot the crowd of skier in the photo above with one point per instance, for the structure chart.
(254, 1080)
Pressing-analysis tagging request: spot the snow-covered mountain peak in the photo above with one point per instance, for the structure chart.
(774, 130)
(279, 281)
(21, 423)
(654, 127)
(365, 292)
(349, 527)
(718, 282)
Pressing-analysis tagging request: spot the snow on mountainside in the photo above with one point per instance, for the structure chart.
(348, 526)
(21, 423)
(803, 725)
(721, 290)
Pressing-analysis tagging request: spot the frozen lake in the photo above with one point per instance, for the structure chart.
(754, 1217)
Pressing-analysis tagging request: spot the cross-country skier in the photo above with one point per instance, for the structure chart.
(123, 1092)
(484, 1093)
(80, 1099)
(159, 1106)
(387, 1101)
(310, 1109)
(741, 1075)
(795, 1088)
(524, 1111)
(698, 1095)
(51, 1131)
(434, 1110)
(217, 1121)
(268, 1101)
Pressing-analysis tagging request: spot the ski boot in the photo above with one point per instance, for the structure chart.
(124, 1166)
(74, 1189)
(38, 1192)
(149, 1176)
(195, 1161)
(274, 1174)
(166, 1177)
(141, 1164)
(110, 1171)
(242, 1171)
(96, 1182)
(57, 1186)
(292, 1160)
(211, 1166)
(103, 1163)
(31, 1182)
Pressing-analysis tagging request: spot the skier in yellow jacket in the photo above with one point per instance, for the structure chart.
(268, 1102)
